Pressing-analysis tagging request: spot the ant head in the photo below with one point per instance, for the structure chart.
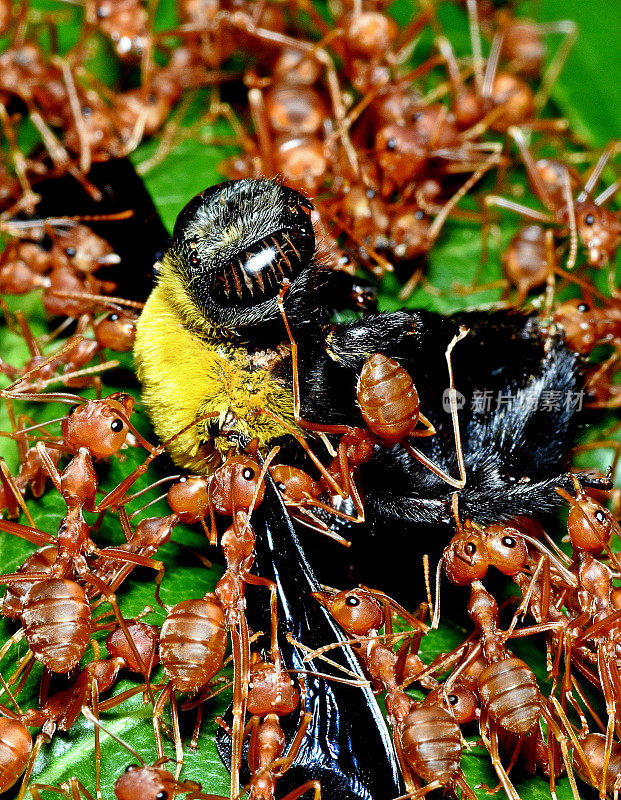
(356, 610)
(577, 318)
(117, 330)
(462, 703)
(589, 524)
(600, 232)
(506, 548)
(271, 691)
(294, 483)
(401, 152)
(189, 498)
(101, 426)
(77, 246)
(409, 233)
(145, 637)
(466, 558)
(235, 484)
(146, 783)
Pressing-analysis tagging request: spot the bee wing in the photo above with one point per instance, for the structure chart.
(347, 745)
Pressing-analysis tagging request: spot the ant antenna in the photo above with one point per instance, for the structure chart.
(92, 718)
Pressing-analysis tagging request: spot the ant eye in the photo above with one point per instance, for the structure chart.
(419, 214)
(509, 541)
(116, 425)
(86, 111)
(391, 143)
(370, 194)
(589, 219)
(247, 474)
(70, 251)
(600, 516)
(352, 601)
(161, 795)
(453, 699)
(583, 307)
(113, 317)
(280, 486)
(131, 767)
(470, 548)
(74, 408)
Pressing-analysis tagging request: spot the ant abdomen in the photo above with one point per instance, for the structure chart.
(40, 561)
(15, 748)
(57, 623)
(594, 748)
(432, 743)
(510, 695)
(193, 643)
(387, 397)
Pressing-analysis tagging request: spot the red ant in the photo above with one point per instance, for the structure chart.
(61, 709)
(390, 406)
(147, 782)
(598, 228)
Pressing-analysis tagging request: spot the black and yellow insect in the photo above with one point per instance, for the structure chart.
(211, 341)
(203, 343)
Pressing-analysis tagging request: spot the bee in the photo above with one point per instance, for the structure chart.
(211, 349)
(209, 342)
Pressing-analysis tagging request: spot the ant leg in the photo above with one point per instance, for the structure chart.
(174, 712)
(597, 172)
(36, 788)
(158, 711)
(255, 580)
(143, 561)
(531, 168)
(32, 535)
(13, 497)
(105, 590)
(305, 787)
(570, 30)
(256, 102)
(306, 447)
(95, 707)
(438, 223)
(114, 497)
(28, 772)
(524, 211)
(571, 214)
(285, 762)
(500, 770)
(241, 675)
(336, 429)
(413, 451)
(76, 112)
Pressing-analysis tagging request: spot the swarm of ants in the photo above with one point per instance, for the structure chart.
(253, 660)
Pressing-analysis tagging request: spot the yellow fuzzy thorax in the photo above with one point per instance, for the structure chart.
(185, 375)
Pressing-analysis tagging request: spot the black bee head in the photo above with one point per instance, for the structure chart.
(236, 243)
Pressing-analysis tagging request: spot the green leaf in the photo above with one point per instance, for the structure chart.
(587, 93)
